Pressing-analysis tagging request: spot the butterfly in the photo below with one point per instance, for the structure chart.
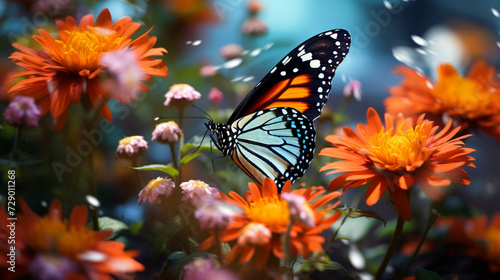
(271, 132)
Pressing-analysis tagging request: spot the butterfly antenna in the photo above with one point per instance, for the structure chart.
(201, 110)
(211, 152)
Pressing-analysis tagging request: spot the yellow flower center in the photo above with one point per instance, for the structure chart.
(463, 96)
(400, 151)
(153, 184)
(269, 211)
(82, 48)
(49, 235)
(125, 141)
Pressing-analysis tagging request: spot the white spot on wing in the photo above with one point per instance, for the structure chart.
(315, 63)
(307, 56)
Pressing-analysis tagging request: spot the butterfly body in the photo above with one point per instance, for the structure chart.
(271, 133)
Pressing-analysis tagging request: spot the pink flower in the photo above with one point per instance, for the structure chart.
(254, 7)
(22, 111)
(353, 89)
(254, 26)
(131, 147)
(195, 192)
(167, 132)
(154, 189)
(208, 71)
(206, 269)
(215, 214)
(231, 51)
(180, 96)
(215, 95)
(126, 75)
(299, 209)
(254, 234)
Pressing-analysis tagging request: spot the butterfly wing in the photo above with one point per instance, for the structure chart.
(302, 80)
(276, 143)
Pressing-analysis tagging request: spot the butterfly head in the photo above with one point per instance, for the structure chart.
(222, 136)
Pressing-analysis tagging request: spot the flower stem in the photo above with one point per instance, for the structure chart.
(434, 214)
(338, 229)
(93, 192)
(14, 154)
(286, 242)
(391, 249)
(218, 247)
(174, 155)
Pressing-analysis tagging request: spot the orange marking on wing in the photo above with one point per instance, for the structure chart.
(301, 79)
(270, 95)
(295, 93)
(298, 105)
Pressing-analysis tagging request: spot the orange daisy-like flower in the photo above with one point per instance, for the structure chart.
(49, 247)
(396, 156)
(69, 67)
(265, 218)
(472, 101)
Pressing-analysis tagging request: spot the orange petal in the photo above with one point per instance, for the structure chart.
(400, 200)
(79, 216)
(376, 189)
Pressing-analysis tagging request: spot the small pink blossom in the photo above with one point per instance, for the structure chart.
(253, 26)
(180, 96)
(215, 214)
(22, 111)
(154, 189)
(215, 95)
(353, 89)
(195, 192)
(208, 71)
(254, 7)
(131, 147)
(166, 132)
(299, 209)
(126, 75)
(231, 51)
(206, 269)
(254, 234)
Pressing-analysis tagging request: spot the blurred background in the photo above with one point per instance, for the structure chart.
(419, 33)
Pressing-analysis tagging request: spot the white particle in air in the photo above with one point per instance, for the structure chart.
(387, 4)
(419, 40)
(495, 12)
(232, 63)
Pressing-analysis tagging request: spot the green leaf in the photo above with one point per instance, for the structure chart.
(136, 227)
(357, 213)
(194, 144)
(388, 230)
(169, 169)
(424, 274)
(318, 262)
(118, 227)
(170, 228)
(189, 157)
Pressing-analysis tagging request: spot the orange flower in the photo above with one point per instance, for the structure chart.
(396, 156)
(49, 247)
(487, 239)
(66, 68)
(265, 218)
(472, 101)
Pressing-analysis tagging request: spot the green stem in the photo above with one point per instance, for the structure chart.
(338, 229)
(286, 242)
(391, 249)
(434, 214)
(93, 192)
(181, 142)
(174, 155)
(137, 173)
(218, 247)
(14, 154)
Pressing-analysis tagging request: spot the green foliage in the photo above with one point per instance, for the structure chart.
(118, 227)
(424, 274)
(169, 169)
